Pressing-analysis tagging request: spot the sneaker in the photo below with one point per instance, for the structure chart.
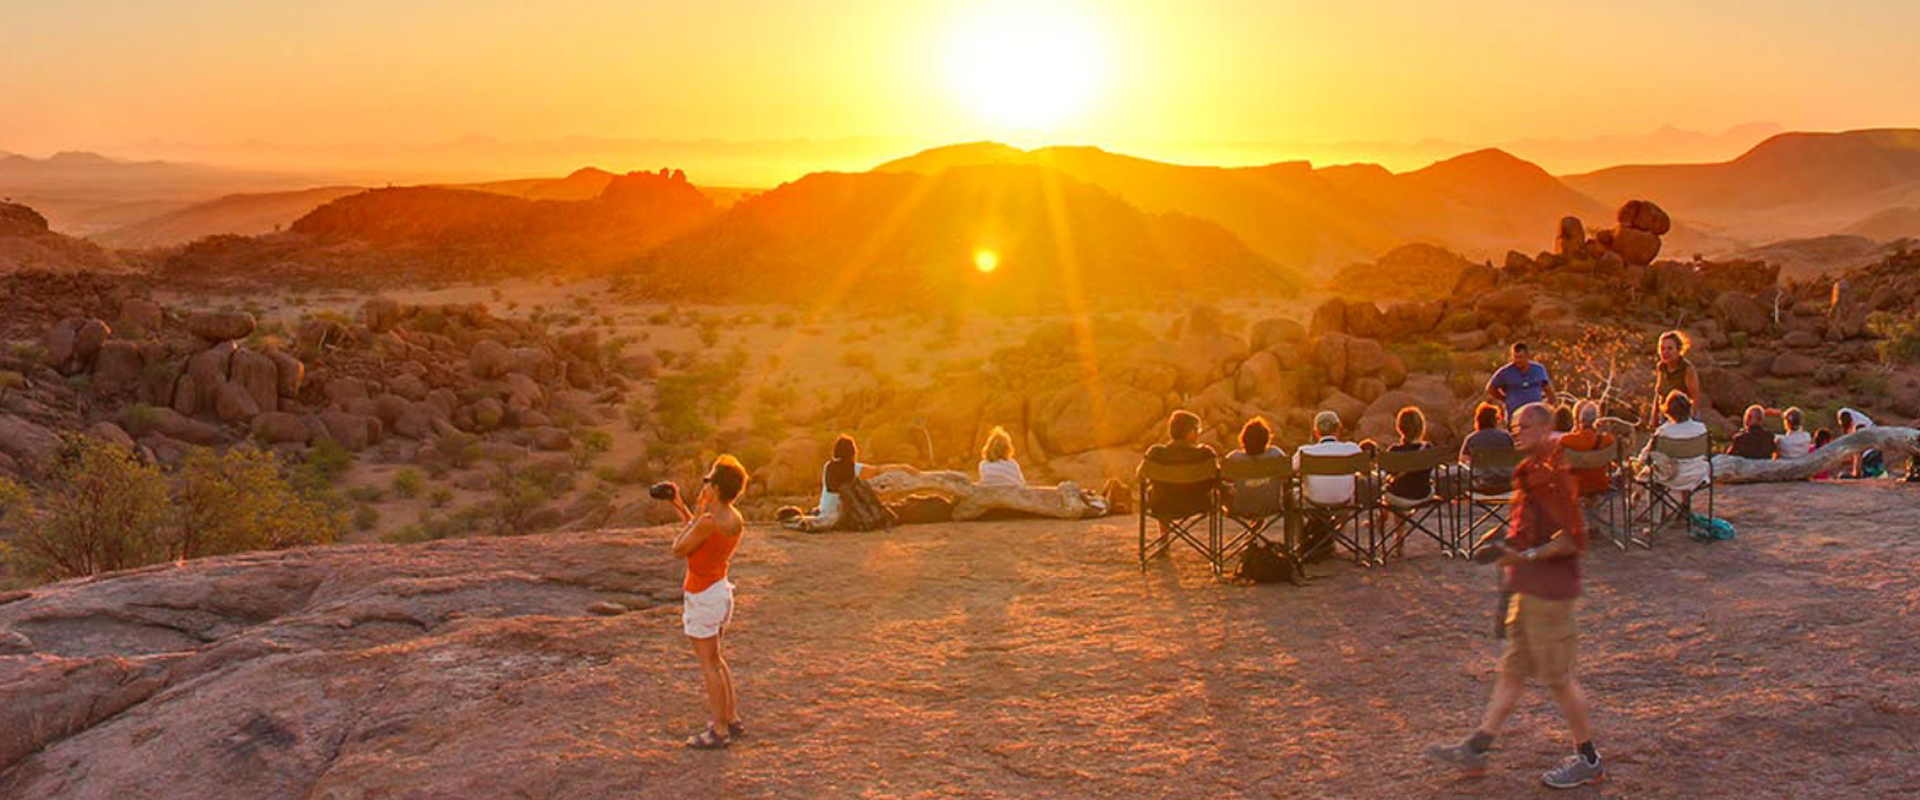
(1575, 771)
(1468, 760)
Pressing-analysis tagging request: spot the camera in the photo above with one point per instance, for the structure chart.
(664, 490)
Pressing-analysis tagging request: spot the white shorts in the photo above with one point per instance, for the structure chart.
(705, 613)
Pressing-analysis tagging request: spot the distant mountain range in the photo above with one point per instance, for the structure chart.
(1279, 219)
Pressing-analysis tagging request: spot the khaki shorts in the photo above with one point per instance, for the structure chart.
(706, 614)
(1540, 639)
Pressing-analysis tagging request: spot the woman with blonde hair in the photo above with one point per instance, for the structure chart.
(1674, 373)
(997, 466)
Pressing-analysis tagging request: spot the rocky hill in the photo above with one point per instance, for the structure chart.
(242, 214)
(27, 243)
(891, 238)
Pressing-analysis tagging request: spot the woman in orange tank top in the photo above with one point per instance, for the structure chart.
(713, 532)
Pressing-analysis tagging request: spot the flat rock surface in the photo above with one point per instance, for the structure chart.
(1016, 659)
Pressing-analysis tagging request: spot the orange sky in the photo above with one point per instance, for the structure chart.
(1173, 78)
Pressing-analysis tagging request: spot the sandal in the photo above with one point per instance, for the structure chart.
(708, 740)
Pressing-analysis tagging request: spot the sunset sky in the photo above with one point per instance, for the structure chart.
(1170, 79)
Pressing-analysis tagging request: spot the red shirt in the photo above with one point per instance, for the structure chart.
(707, 564)
(1545, 502)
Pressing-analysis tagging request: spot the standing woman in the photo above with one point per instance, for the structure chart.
(707, 544)
(1673, 372)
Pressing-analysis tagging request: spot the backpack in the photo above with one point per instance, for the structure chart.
(861, 509)
(1314, 538)
(1261, 562)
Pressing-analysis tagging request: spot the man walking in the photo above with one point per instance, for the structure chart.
(1541, 560)
(1520, 381)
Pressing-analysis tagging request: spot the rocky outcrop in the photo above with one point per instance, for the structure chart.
(296, 673)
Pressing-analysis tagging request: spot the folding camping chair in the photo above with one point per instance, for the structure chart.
(1612, 508)
(1248, 518)
(1663, 500)
(1429, 515)
(1195, 523)
(1347, 520)
(1484, 507)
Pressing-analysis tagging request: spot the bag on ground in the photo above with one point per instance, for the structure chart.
(861, 509)
(1262, 562)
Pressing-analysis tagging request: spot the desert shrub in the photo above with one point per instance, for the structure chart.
(239, 500)
(637, 414)
(1427, 356)
(709, 331)
(592, 443)
(783, 320)
(1869, 383)
(366, 517)
(859, 359)
(440, 497)
(688, 404)
(406, 483)
(366, 494)
(102, 510)
(659, 318)
(325, 463)
(459, 448)
(1899, 338)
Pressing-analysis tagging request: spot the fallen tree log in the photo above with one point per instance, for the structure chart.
(971, 500)
(1837, 454)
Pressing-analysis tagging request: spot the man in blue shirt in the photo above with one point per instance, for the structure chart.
(1520, 381)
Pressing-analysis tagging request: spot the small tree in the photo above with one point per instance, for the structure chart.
(238, 500)
(102, 510)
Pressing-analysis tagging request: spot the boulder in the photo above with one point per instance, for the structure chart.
(206, 372)
(220, 326)
(1087, 416)
(1643, 215)
(552, 439)
(351, 431)
(1468, 340)
(57, 345)
(1363, 319)
(1328, 317)
(1350, 408)
(1802, 339)
(87, 340)
(289, 373)
(1406, 320)
(1394, 372)
(485, 414)
(259, 375)
(278, 427)
(1367, 390)
(408, 386)
(27, 443)
(233, 404)
(1261, 378)
(1092, 469)
(380, 314)
(1505, 305)
(1275, 332)
(1730, 392)
(1793, 365)
(316, 335)
(113, 434)
(1202, 358)
(639, 365)
(140, 421)
(117, 369)
(404, 417)
(140, 317)
(1637, 247)
(1475, 280)
(1344, 359)
(489, 359)
(1739, 312)
(1572, 238)
(340, 391)
(1518, 262)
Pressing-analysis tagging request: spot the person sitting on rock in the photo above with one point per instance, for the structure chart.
(1520, 381)
(1754, 440)
(1257, 497)
(1170, 501)
(1822, 438)
(1680, 476)
(841, 470)
(997, 467)
(1327, 490)
(1674, 373)
(1868, 463)
(1488, 435)
(1796, 442)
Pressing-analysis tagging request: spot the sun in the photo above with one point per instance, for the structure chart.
(986, 260)
(1026, 67)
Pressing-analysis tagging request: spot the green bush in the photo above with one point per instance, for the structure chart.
(440, 497)
(102, 510)
(366, 517)
(366, 494)
(406, 483)
(1900, 338)
(326, 462)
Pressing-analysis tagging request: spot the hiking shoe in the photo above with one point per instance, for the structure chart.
(1575, 771)
(1468, 760)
